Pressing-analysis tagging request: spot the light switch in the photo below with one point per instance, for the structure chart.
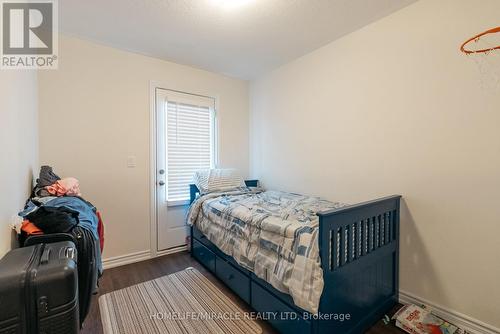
(131, 161)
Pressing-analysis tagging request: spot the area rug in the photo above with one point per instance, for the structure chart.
(183, 302)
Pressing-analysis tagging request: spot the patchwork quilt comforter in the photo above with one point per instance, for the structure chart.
(273, 234)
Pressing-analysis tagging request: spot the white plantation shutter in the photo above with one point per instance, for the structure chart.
(190, 142)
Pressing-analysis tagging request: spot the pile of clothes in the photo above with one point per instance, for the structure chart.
(56, 206)
(56, 211)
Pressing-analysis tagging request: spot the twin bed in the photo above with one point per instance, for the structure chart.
(309, 265)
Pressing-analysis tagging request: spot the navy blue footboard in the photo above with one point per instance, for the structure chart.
(359, 247)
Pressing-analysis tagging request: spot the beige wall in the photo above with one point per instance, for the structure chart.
(95, 111)
(395, 108)
(18, 146)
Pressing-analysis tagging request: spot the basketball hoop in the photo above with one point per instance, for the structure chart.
(484, 50)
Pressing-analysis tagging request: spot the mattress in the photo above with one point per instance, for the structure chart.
(271, 233)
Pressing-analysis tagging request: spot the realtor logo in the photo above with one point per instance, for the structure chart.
(29, 34)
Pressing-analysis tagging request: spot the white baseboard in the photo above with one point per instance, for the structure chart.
(463, 321)
(171, 250)
(121, 260)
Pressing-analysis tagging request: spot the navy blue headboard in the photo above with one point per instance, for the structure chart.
(193, 189)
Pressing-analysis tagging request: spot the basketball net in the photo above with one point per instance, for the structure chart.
(485, 52)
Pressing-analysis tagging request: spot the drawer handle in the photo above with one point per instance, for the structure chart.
(201, 253)
(230, 276)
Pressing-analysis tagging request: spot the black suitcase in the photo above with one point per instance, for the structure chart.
(38, 290)
(87, 262)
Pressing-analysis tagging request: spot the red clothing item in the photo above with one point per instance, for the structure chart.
(100, 230)
(30, 228)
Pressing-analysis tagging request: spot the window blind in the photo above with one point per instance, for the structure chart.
(190, 144)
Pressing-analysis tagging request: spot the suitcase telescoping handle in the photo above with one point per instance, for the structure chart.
(48, 239)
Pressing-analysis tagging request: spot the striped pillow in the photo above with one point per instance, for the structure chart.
(210, 180)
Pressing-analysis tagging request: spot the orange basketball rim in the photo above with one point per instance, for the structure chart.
(477, 38)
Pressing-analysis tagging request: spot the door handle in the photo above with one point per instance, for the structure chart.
(161, 183)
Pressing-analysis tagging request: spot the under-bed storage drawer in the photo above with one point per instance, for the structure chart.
(200, 237)
(235, 279)
(204, 255)
(281, 316)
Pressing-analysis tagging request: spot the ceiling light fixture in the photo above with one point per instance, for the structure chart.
(230, 4)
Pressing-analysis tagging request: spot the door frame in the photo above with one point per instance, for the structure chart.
(153, 209)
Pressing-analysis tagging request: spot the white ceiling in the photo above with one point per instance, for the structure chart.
(242, 40)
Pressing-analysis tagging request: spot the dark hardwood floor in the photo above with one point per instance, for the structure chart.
(122, 277)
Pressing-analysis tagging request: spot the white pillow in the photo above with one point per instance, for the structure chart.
(210, 180)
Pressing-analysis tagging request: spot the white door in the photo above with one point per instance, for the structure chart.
(185, 142)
